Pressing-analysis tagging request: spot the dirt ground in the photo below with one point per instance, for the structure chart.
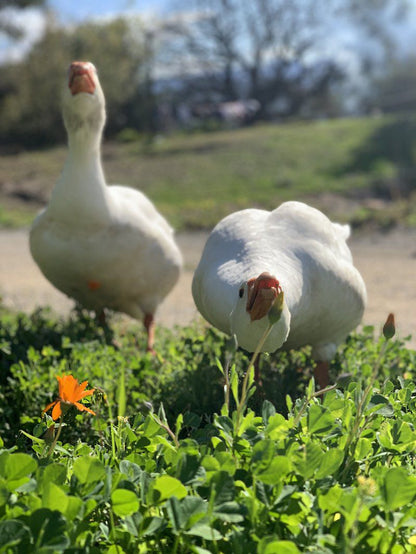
(387, 263)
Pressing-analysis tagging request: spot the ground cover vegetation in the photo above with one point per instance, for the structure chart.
(356, 170)
(184, 455)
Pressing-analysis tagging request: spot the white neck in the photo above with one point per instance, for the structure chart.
(80, 193)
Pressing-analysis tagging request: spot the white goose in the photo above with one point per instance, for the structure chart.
(104, 246)
(294, 258)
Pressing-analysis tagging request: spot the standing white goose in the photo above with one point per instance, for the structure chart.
(104, 246)
(253, 256)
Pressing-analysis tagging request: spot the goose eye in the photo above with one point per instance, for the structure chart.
(241, 292)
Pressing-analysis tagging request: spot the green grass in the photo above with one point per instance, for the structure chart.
(189, 466)
(196, 179)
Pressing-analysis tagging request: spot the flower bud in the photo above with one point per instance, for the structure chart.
(276, 310)
(389, 327)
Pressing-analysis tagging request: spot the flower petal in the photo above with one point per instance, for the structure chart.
(49, 406)
(86, 393)
(83, 408)
(56, 412)
(79, 391)
(67, 388)
(81, 386)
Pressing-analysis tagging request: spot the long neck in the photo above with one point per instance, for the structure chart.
(80, 193)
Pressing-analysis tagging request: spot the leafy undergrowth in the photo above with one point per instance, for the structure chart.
(184, 455)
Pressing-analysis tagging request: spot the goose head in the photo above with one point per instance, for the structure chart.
(260, 303)
(83, 100)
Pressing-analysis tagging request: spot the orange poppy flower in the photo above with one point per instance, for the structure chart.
(70, 392)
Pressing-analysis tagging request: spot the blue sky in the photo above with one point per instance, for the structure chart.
(78, 11)
(32, 20)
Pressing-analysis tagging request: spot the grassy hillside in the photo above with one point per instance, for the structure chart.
(361, 170)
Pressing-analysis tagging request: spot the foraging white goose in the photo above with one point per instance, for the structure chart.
(252, 256)
(104, 246)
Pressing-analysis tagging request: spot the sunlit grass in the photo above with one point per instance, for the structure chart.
(196, 179)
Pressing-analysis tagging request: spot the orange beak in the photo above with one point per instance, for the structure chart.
(81, 78)
(262, 294)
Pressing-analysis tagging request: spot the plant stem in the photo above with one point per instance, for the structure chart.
(55, 440)
(351, 444)
(113, 441)
(246, 385)
(168, 430)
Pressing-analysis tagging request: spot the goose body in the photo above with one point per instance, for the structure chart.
(304, 255)
(104, 246)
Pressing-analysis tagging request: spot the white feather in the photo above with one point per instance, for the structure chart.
(106, 247)
(324, 293)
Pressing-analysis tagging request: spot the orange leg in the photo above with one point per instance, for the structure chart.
(149, 324)
(321, 374)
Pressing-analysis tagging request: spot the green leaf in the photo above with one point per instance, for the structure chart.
(200, 550)
(267, 411)
(279, 467)
(53, 473)
(397, 435)
(222, 487)
(54, 498)
(168, 486)
(124, 502)
(178, 424)
(186, 512)
(308, 460)
(205, 532)
(131, 470)
(380, 405)
(272, 545)
(330, 463)
(13, 467)
(88, 469)
(12, 533)
(188, 468)
(320, 420)
(263, 452)
(4, 492)
(364, 448)
(219, 365)
(48, 529)
(329, 500)
(227, 461)
(152, 526)
(234, 383)
(231, 512)
(277, 427)
(398, 488)
(73, 508)
(115, 549)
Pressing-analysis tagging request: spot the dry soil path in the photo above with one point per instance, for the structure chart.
(387, 263)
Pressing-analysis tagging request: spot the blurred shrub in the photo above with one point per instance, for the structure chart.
(30, 92)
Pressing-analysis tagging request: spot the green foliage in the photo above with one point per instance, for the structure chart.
(211, 470)
(30, 103)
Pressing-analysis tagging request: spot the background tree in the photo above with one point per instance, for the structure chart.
(7, 26)
(395, 91)
(30, 112)
(280, 52)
